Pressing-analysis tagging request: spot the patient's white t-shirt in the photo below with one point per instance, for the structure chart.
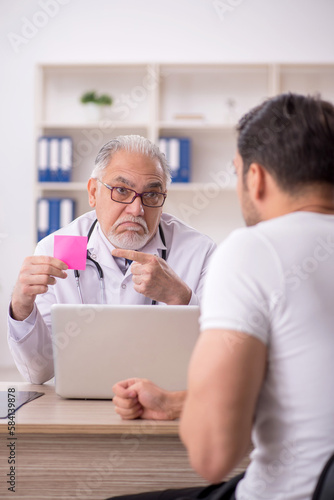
(275, 281)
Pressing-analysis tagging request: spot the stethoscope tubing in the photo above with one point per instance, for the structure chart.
(100, 270)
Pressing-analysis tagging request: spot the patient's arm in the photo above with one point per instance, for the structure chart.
(140, 398)
(224, 383)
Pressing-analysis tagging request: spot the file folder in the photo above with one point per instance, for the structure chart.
(52, 214)
(55, 158)
(178, 154)
(66, 211)
(43, 159)
(43, 218)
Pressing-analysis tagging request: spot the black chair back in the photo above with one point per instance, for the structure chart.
(325, 486)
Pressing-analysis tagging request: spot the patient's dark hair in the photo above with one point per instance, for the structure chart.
(292, 137)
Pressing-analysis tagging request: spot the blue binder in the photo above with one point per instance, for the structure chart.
(54, 158)
(183, 174)
(178, 153)
(43, 159)
(66, 211)
(43, 218)
(52, 214)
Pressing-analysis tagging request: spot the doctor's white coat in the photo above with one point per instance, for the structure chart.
(188, 254)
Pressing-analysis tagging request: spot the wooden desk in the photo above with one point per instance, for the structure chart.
(74, 449)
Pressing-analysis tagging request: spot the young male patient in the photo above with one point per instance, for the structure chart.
(263, 370)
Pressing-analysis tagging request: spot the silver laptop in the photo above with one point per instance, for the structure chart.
(95, 346)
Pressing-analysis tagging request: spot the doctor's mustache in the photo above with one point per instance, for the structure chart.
(131, 218)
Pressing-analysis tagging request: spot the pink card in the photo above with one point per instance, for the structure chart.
(72, 250)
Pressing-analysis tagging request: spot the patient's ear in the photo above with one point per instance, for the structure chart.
(92, 188)
(256, 180)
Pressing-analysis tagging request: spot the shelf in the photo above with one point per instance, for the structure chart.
(62, 87)
(197, 186)
(200, 101)
(82, 186)
(196, 125)
(62, 186)
(109, 124)
(104, 123)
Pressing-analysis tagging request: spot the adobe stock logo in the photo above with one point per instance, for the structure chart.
(225, 7)
(31, 27)
(298, 273)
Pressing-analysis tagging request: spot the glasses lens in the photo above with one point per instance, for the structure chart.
(153, 199)
(122, 195)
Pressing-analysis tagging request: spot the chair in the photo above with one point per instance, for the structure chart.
(325, 485)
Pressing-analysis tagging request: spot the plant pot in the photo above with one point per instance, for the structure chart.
(92, 112)
(96, 112)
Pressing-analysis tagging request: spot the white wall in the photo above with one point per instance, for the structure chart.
(126, 30)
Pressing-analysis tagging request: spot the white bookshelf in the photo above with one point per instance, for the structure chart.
(148, 100)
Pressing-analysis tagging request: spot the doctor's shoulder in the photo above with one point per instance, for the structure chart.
(178, 231)
(177, 228)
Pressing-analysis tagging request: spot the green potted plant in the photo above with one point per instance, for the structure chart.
(95, 104)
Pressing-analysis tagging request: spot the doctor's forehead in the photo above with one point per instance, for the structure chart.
(150, 183)
(129, 167)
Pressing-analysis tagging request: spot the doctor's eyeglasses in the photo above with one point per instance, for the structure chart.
(124, 195)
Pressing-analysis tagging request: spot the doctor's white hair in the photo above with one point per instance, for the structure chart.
(132, 144)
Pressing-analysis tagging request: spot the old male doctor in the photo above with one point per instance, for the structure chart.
(127, 190)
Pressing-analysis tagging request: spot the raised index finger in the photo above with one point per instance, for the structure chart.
(140, 257)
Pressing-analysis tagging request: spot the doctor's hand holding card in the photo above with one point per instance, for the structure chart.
(40, 271)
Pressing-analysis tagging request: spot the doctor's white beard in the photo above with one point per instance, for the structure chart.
(129, 239)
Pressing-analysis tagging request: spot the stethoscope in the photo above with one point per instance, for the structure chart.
(100, 270)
